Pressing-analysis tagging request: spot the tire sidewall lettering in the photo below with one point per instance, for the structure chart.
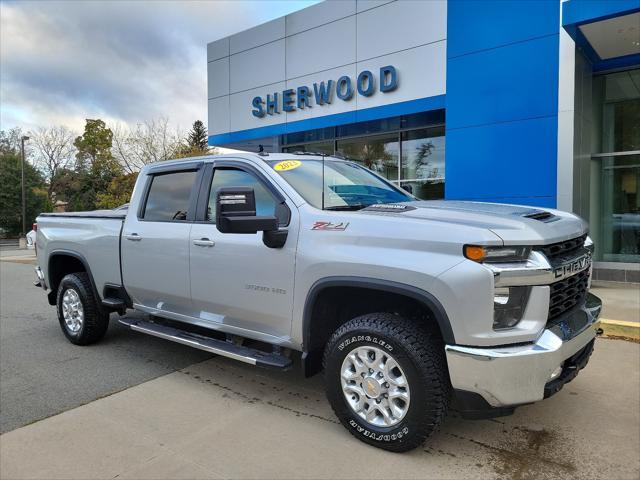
(379, 437)
(365, 338)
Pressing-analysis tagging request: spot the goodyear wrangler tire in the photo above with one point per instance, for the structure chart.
(387, 380)
(81, 319)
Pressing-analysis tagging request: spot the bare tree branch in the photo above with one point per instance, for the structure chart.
(54, 150)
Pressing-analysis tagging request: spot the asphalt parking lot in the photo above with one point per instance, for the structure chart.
(138, 407)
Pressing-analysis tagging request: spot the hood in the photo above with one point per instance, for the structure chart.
(514, 224)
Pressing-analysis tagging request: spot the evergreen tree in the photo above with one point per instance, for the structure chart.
(197, 140)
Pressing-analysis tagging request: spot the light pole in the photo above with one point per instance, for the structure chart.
(24, 203)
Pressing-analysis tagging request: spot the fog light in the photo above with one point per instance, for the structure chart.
(508, 306)
(556, 373)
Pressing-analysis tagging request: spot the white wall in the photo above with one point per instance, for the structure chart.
(324, 42)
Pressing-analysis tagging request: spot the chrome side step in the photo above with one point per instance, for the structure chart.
(212, 345)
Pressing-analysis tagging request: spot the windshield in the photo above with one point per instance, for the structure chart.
(347, 186)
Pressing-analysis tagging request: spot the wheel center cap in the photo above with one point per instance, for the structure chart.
(372, 387)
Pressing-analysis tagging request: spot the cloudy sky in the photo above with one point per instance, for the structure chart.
(122, 61)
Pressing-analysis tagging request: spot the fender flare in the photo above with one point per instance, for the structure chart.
(422, 296)
(70, 253)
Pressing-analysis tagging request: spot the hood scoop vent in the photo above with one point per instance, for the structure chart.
(541, 216)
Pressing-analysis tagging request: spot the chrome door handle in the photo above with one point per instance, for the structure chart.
(134, 237)
(204, 242)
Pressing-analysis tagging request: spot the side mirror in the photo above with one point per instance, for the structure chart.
(236, 212)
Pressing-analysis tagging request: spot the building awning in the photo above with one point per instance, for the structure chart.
(608, 32)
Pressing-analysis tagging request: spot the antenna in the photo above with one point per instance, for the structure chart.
(323, 181)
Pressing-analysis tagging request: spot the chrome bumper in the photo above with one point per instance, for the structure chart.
(515, 375)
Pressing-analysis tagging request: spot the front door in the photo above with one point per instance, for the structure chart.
(155, 243)
(235, 279)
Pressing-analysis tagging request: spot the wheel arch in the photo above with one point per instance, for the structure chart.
(62, 262)
(312, 349)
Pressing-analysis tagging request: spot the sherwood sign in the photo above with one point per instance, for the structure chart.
(322, 93)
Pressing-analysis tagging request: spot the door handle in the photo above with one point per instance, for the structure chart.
(204, 242)
(134, 237)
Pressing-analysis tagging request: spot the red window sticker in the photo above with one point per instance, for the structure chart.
(335, 227)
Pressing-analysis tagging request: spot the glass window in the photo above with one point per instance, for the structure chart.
(621, 111)
(347, 186)
(168, 198)
(423, 162)
(316, 147)
(619, 208)
(232, 177)
(366, 128)
(378, 153)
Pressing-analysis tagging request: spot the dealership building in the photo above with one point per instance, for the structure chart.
(528, 102)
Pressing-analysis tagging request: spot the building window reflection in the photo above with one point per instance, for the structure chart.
(407, 150)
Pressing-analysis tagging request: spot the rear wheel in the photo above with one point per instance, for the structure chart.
(387, 380)
(80, 318)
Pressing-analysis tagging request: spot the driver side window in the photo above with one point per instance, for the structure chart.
(233, 177)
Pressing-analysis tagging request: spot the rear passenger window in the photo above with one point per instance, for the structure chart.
(168, 199)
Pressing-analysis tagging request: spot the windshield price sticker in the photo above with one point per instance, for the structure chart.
(286, 165)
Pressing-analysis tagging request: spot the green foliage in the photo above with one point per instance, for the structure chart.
(197, 139)
(95, 168)
(118, 192)
(11, 193)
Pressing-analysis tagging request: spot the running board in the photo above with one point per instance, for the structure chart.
(212, 345)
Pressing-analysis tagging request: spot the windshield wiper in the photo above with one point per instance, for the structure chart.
(358, 206)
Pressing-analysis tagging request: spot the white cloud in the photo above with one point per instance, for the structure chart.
(124, 61)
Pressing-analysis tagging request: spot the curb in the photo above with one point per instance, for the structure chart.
(619, 328)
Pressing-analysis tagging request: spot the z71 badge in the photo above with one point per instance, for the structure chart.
(334, 227)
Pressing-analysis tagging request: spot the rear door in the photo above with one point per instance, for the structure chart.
(155, 240)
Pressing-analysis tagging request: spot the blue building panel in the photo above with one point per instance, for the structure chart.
(474, 25)
(512, 162)
(502, 101)
(579, 12)
(503, 84)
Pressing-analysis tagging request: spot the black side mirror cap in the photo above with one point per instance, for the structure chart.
(275, 238)
(236, 212)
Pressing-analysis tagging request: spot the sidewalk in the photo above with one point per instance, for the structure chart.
(620, 308)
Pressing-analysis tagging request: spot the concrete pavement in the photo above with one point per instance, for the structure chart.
(223, 419)
(42, 373)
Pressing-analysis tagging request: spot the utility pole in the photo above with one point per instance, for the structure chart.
(24, 202)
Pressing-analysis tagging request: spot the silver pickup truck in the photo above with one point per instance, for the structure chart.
(410, 307)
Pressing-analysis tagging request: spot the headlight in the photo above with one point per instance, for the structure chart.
(496, 254)
(508, 306)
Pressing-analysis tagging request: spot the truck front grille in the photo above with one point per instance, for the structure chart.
(559, 249)
(568, 293)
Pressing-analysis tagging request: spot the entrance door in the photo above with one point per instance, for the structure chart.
(235, 279)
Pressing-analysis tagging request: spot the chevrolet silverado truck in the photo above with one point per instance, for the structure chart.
(410, 308)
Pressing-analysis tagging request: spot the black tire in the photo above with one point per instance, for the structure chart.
(420, 355)
(95, 322)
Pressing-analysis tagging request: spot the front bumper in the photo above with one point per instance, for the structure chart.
(519, 374)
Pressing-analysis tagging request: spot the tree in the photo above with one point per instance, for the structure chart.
(197, 139)
(11, 191)
(54, 150)
(119, 191)
(197, 142)
(10, 141)
(94, 170)
(150, 141)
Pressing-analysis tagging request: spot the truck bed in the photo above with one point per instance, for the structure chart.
(93, 237)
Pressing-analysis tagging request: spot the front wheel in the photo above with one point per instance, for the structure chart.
(387, 380)
(82, 321)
